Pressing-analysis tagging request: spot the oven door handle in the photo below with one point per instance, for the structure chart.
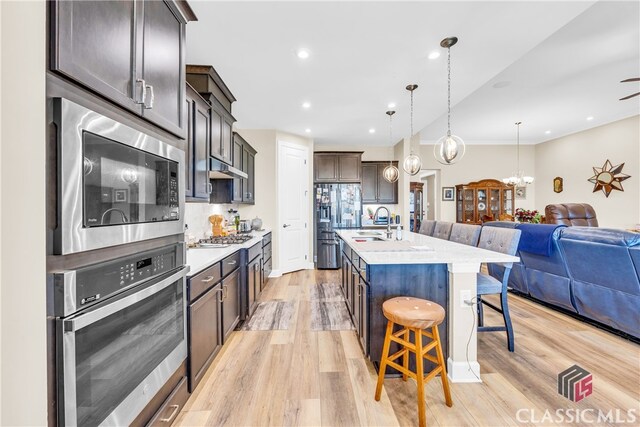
(85, 319)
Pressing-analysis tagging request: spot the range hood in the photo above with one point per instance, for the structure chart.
(219, 170)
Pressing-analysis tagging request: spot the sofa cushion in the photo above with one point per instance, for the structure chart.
(571, 214)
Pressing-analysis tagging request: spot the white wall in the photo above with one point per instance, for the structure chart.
(23, 360)
(573, 157)
(481, 162)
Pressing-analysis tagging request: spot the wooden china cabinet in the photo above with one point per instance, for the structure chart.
(486, 200)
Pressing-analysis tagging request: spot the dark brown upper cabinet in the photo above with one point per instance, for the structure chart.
(130, 52)
(238, 190)
(198, 186)
(209, 84)
(337, 167)
(376, 189)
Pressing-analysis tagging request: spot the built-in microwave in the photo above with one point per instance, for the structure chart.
(116, 185)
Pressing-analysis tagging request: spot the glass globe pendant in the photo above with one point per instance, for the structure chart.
(391, 173)
(412, 163)
(450, 148)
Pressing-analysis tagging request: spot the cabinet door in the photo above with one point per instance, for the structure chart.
(230, 303)
(202, 131)
(94, 43)
(387, 191)
(163, 65)
(369, 182)
(325, 167)
(216, 134)
(189, 148)
(364, 316)
(204, 334)
(349, 168)
(354, 303)
(237, 163)
(250, 192)
(226, 147)
(245, 169)
(252, 285)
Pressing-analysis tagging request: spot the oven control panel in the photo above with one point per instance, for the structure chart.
(96, 282)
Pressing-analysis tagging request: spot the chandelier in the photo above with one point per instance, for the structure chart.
(519, 179)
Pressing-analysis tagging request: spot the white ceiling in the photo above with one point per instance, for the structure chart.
(564, 61)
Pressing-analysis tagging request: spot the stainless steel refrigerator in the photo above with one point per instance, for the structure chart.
(337, 206)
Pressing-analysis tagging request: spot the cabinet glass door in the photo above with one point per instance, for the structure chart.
(494, 203)
(469, 209)
(508, 201)
(482, 203)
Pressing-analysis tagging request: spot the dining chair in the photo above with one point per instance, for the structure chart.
(427, 227)
(504, 240)
(467, 234)
(442, 230)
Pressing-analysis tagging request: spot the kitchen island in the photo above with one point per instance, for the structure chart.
(375, 269)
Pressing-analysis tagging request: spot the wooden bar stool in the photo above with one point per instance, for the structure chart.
(415, 315)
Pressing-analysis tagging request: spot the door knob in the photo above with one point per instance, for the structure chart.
(286, 225)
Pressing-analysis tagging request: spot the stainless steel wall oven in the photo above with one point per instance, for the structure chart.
(120, 335)
(116, 185)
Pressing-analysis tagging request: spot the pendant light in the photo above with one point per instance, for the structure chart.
(390, 173)
(519, 179)
(412, 163)
(450, 148)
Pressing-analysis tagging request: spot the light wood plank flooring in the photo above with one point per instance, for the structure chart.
(303, 377)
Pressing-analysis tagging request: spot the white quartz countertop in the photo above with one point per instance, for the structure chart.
(418, 249)
(199, 259)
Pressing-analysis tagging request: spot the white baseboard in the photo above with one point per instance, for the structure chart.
(310, 266)
(275, 273)
(461, 372)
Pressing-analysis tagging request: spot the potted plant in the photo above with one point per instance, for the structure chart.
(532, 217)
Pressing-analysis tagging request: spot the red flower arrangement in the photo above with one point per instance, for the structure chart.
(523, 215)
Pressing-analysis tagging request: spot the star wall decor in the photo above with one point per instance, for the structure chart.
(608, 178)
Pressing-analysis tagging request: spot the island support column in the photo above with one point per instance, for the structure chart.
(462, 363)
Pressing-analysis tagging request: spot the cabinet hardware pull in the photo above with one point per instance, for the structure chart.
(232, 262)
(286, 225)
(151, 98)
(220, 296)
(208, 279)
(210, 187)
(172, 416)
(143, 94)
(225, 292)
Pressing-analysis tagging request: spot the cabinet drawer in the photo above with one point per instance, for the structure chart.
(199, 283)
(255, 251)
(230, 263)
(169, 411)
(266, 239)
(266, 251)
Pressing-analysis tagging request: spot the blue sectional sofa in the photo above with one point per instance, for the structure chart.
(593, 272)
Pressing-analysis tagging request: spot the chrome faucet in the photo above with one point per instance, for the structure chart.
(120, 211)
(375, 218)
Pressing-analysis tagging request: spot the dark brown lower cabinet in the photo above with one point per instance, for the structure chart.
(170, 409)
(230, 303)
(205, 338)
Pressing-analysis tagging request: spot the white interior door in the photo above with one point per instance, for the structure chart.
(293, 206)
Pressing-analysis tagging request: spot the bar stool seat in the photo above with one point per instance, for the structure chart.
(413, 312)
(414, 315)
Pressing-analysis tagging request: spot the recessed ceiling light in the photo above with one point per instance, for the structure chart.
(307, 130)
(547, 132)
(306, 105)
(372, 130)
(589, 118)
(434, 55)
(391, 105)
(302, 53)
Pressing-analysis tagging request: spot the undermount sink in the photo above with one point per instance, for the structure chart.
(369, 233)
(368, 239)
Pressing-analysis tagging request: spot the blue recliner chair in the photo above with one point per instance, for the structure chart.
(546, 274)
(604, 275)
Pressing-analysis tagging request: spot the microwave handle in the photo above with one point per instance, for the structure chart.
(143, 94)
(86, 319)
(151, 98)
